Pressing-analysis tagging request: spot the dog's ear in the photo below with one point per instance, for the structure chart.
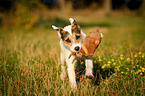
(71, 20)
(75, 27)
(62, 33)
(57, 29)
(76, 30)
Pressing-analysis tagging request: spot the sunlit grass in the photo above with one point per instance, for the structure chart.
(30, 65)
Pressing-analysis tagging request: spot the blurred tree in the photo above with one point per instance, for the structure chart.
(108, 6)
(62, 5)
(141, 10)
(23, 13)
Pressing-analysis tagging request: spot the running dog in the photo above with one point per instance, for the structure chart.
(71, 38)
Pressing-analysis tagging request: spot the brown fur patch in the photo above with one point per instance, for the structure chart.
(76, 32)
(66, 37)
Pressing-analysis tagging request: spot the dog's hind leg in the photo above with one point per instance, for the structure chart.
(63, 67)
(89, 68)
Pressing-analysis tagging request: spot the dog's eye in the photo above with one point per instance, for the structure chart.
(68, 40)
(77, 37)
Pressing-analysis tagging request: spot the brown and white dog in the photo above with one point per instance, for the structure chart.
(71, 39)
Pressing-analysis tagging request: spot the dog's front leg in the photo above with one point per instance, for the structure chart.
(63, 67)
(71, 72)
(89, 68)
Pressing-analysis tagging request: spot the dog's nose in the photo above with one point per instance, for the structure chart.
(77, 48)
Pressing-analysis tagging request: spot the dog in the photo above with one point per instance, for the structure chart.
(71, 38)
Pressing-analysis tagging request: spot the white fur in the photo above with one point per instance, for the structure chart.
(66, 61)
(101, 35)
(54, 27)
(71, 20)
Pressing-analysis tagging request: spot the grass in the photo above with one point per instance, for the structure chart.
(29, 59)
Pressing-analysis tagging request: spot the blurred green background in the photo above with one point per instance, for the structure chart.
(121, 21)
(43, 13)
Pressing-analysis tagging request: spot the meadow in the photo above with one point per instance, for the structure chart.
(30, 65)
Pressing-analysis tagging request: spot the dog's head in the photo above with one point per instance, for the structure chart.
(71, 35)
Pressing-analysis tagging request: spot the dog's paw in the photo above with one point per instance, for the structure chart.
(90, 76)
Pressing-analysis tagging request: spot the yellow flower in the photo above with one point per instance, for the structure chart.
(112, 60)
(142, 56)
(126, 73)
(122, 72)
(127, 69)
(99, 60)
(136, 72)
(136, 61)
(121, 58)
(95, 62)
(143, 69)
(109, 62)
(82, 62)
(133, 66)
(118, 69)
(141, 73)
(139, 53)
(139, 70)
(103, 66)
(114, 63)
(128, 59)
(135, 56)
(132, 63)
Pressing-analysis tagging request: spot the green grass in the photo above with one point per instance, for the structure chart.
(29, 59)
